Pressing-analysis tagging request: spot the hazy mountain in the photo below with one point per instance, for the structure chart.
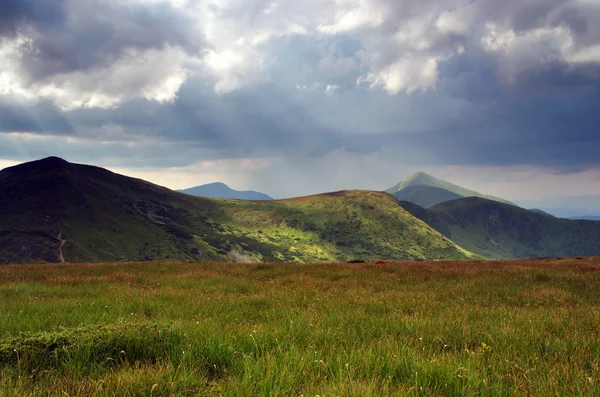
(53, 210)
(423, 179)
(586, 218)
(566, 206)
(221, 190)
(497, 230)
(425, 196)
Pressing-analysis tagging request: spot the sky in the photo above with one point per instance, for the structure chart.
(298, 97)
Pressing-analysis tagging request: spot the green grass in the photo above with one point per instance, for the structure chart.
(441, 329)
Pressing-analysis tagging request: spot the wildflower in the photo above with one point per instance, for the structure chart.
(484, 348)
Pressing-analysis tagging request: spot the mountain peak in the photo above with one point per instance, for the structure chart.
(418, 176)
(215, 184)
(45, 164)
(422, 179)
(53, 161)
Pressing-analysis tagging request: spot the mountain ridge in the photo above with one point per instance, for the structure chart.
(55, 210)
(501, 231)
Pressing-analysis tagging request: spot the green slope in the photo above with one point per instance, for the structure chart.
(423, 179)
(339, 226)
(102, 216)
(425, 196)
(501, 231)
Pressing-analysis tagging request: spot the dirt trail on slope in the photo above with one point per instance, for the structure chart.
(61, 258)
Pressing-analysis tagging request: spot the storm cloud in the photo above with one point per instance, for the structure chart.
(404, 84)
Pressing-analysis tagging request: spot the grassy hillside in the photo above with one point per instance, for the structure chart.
(497, 230)
(344, 225)
(526, 328)
(55, 210)
(423, 179)
(425, 196)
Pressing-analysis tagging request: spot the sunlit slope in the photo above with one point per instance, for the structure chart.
(338, 226)
(54, 210)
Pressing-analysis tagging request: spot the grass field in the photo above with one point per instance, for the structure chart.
(441, 329)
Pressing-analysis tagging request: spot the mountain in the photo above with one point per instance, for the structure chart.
(425, 196)
(221, 190)
(423, 179)
(501, 231)
(586, 218)
(55, 211)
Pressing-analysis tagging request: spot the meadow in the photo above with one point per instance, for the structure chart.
(475, 328)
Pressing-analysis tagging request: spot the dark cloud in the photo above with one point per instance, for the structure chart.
(15, 14)
(242, 123)
(553, 132)
(42, 118)
(573, 17)
(553, 58)
(422, 129)
(97, 33)
(527, 15)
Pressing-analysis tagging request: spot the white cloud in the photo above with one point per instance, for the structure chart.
(407, 74)
(457, 21)
(357, 16)
(153, 75)
(230, 68)
(307, 87)
(331, 88)
(585, 55)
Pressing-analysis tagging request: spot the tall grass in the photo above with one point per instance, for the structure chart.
(443, 329)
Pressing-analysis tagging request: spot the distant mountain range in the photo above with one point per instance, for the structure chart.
(426, 190)
(221, 190)
(55, 211)
(574, 206)
(586, 218)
